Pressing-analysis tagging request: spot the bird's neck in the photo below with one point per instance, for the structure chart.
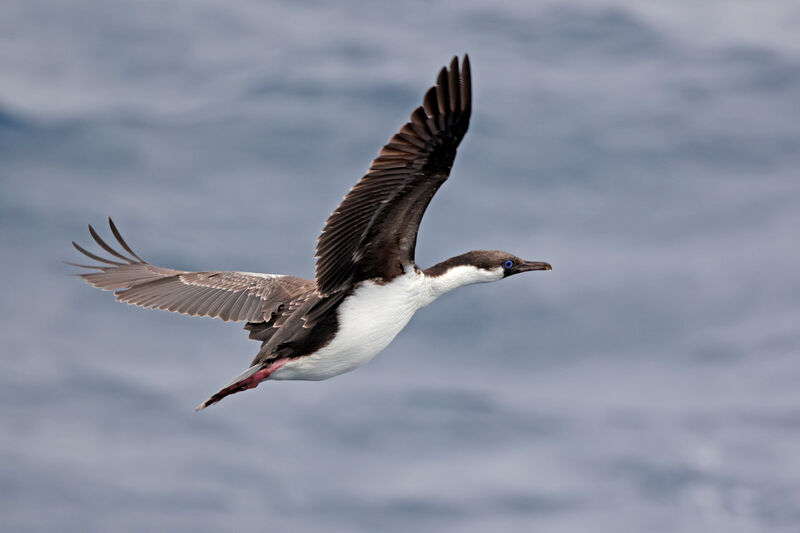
(443, 278)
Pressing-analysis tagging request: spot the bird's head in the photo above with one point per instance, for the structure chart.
(480, 266)
(503, 264)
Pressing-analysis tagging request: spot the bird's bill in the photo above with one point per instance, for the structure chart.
(534, 265)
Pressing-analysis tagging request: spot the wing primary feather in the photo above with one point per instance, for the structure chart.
(433, 127)
(466, 84)
(86, 252)
(421, 128)
(430, 104)
(70, 263)
(372, 234)
(405, 149)
(454, 86)
(121, 241)
(407, 134)
(419, 118)
(442, 93)
(106, 247)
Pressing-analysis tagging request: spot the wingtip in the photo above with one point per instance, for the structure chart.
(200, 407)
(70, 263)
(454, 63)
(121, 241)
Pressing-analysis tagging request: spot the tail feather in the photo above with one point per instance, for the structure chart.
(249, 379)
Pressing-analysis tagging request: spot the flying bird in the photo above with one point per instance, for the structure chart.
(367, 285)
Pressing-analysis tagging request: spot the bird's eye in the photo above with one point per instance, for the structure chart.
(508, 264)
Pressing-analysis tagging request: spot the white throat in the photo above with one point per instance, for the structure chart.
(458, 277)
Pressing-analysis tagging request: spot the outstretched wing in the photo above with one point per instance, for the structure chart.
(231, 296)
(373, 232)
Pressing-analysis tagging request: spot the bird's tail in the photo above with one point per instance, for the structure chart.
(249, 379)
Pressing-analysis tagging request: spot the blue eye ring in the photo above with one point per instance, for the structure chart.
(508, 264)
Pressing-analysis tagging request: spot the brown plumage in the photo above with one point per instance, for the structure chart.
(371, 235)
(373, 232)
(231, 296)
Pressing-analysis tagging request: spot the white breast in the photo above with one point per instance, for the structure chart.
(368, 321)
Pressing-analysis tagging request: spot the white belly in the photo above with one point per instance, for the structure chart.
(368, 321)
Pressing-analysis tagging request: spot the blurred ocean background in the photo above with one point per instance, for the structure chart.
(649, 151)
